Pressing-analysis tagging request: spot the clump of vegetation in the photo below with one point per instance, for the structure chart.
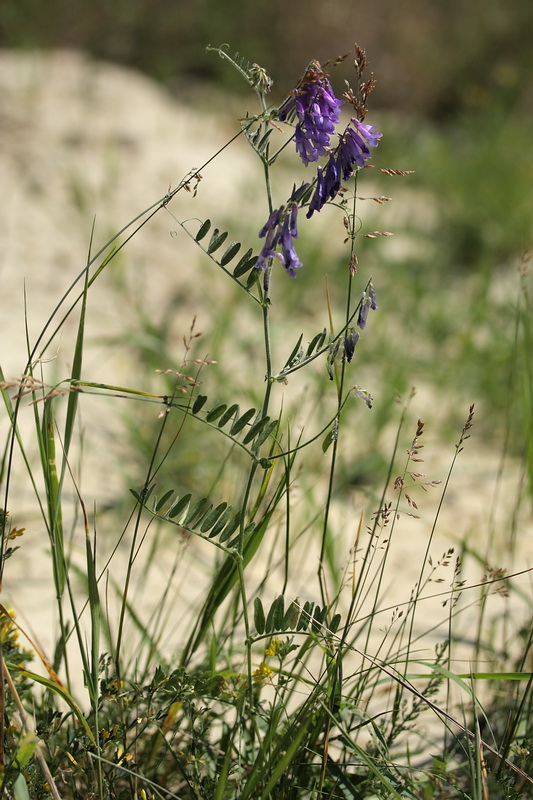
(270, 692)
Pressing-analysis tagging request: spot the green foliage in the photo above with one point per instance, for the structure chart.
(217, 239)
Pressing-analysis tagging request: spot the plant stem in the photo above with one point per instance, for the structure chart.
(340, 392)
(265, 305)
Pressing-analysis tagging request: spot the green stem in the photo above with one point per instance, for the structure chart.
(242, 586)
(265, 304)
(340, 392)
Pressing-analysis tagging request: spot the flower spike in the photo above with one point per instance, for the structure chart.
(318, 111)
(354, 147)
(279, 230)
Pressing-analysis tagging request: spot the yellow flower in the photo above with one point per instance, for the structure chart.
(8, 628)
(262, 674)
(274, 647)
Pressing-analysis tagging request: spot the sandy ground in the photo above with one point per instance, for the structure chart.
(79, 138)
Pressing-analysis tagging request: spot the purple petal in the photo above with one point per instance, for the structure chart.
(271, 222)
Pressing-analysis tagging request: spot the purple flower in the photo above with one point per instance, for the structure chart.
(352, 151)
(288, 255)
(349, 344)
(354, 147)
(318, 111)
(328, 183)
(363, 313)
(368, 301)
(279, 230)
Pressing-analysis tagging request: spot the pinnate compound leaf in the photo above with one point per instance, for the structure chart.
(239, 423)
(245, 263)
(292, 615)
(279, 613)
(248, 534)
(230, 253)
(327, 441)
(317, 342)
(265, 433)
(305, 616)
(163, 501)
(204, 227)
(256, 428)
(262, 144)
(179, 506)
(215, 412)
(230, 528)
(318, 618)
(210, 519)
(199, 403)
(221, 522)
(335, 622)
(228, 414)
(202, 515)
(252, 278)
(216, 240)
(295, 353)
(259, 616)
(274, 620)
(195, 511)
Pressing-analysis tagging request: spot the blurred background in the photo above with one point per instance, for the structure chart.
(434, 59)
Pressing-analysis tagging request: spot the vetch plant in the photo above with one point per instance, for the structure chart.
(265, 698)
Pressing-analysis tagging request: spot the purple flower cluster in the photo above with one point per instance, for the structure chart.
(352, 151)
(328, 183)
(280, 229)
(318, 111)
(354, 146)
